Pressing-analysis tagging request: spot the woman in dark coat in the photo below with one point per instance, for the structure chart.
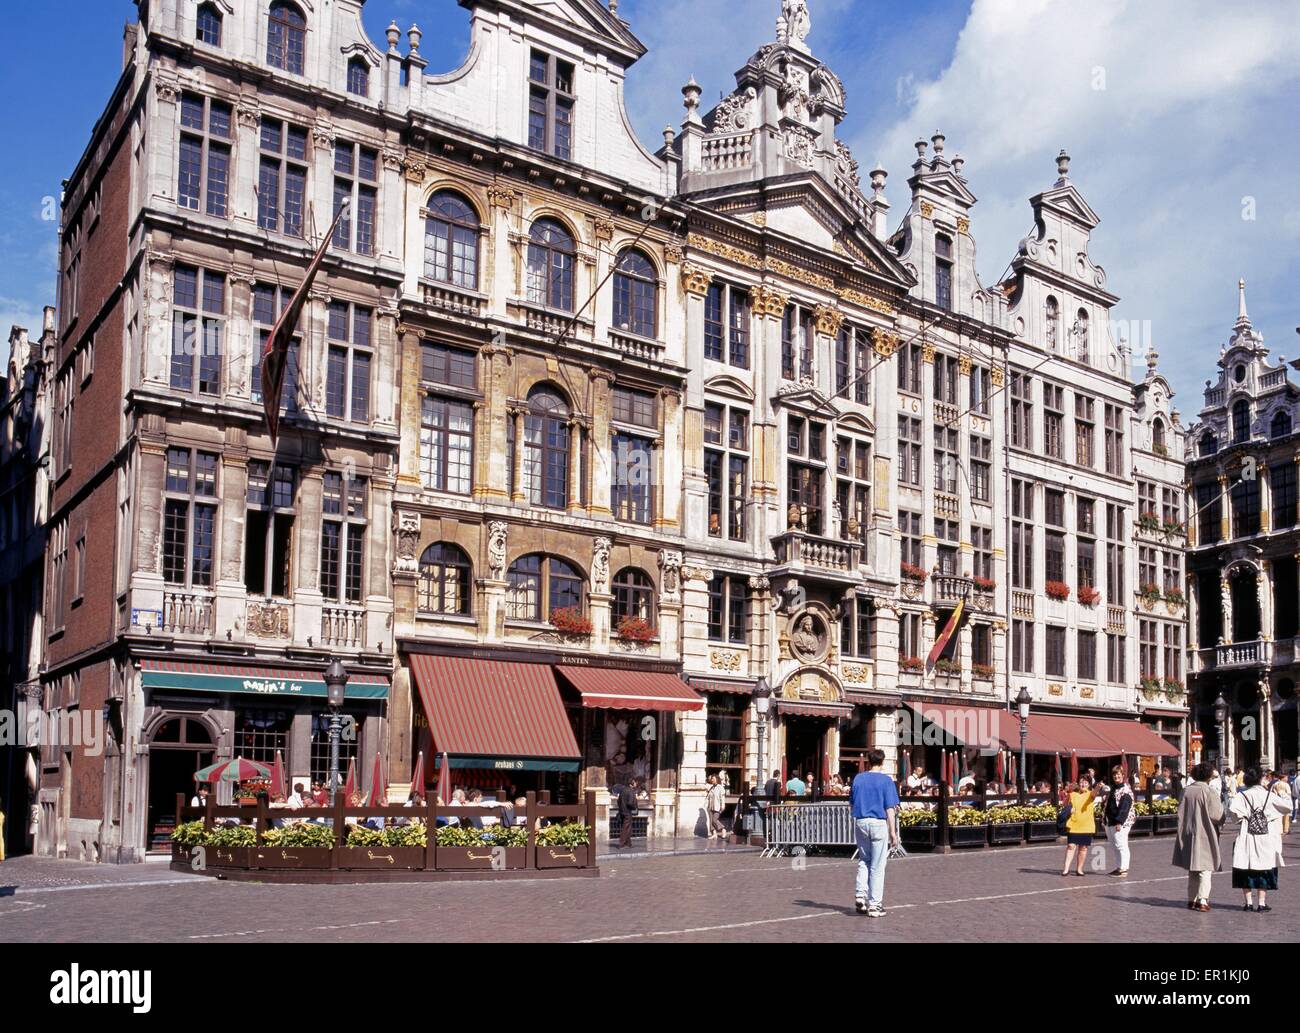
(1196, 848)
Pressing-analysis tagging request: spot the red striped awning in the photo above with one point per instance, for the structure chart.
(743, 687)
(1131, 738)
(495, 714)
(812, 708)
(617, 689)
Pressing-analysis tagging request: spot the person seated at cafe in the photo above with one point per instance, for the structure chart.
(472, 799)
(294, 803)
(795, 786)
(520, 809)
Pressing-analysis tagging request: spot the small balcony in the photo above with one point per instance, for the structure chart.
(454, 300)
(187, 613)
(807, 551)
(1256, 653)
(948, 589)
(1022, 603)
(635, 346)
(343, 627)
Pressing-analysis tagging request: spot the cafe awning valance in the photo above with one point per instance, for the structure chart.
(220, 676)
(495, 714)
(619, 689)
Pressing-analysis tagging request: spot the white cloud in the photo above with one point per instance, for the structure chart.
(1193, 115)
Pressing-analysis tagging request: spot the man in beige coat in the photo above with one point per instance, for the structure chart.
(1200, 816)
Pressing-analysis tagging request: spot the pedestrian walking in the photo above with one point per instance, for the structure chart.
(1080, 826)
(1257, 854)
(1282, 788)
(1200, 817)
(874, 803)
(627, 805)
(1119, 815)
(715, 800)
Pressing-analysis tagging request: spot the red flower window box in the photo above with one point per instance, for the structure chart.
(1058, 590)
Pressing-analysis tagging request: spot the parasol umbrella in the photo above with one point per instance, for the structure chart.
(350, 786)
(444, 779)
(1002, 766)
(237, 770)
(417, 779)
(1074, 766)
(378, 788)
(278, 789)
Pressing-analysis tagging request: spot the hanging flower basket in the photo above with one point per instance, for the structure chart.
(1175, 597)
(569, 620)
(1057, 590)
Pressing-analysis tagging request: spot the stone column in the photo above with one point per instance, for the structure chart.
(410, 407)
(576, 435)
(668, 466)
(603, 461)
(1225, 509)
(307, 598)
(231, 596)
(1265, 498)
(518, 496)
(492, 458)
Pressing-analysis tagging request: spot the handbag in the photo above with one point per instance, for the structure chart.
(1062, 819)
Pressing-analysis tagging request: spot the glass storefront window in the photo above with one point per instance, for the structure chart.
(724, 749)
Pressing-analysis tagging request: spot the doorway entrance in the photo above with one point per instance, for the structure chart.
(805, 747)
(179, 747)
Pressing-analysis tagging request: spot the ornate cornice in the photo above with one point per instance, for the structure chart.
(695, 280)
(768, 301)
(828, 320)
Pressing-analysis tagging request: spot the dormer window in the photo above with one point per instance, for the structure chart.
(550, 104)
(359, 77)
(208, 25)
(943, 271)
(1241, 422)
(286, 38)
(1158, 437)
(1239, 373)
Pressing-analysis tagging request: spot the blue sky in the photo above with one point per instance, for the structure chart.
(1180, 115)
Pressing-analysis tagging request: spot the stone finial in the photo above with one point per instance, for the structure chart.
(691, 94)
(414, 35)
(1243, 318)
(1062, 168)
(669, 136)
(937, 139)
(394, 35)
(613, 6)
(1152, 357)
(920, 148)
(878, 177)
(958, 162)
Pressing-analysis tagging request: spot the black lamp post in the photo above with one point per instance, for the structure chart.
(336, 684)
(762, 701)
(1221, 712)
(1022, 707)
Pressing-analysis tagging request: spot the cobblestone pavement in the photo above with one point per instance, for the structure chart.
(976, 896)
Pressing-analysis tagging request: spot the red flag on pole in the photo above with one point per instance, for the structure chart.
(275, 354)
(942, 641)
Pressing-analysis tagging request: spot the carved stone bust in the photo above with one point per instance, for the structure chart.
(808, 639)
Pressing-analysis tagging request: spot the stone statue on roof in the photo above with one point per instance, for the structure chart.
(793, 25)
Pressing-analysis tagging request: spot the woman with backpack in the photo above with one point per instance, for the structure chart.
(1257, 854)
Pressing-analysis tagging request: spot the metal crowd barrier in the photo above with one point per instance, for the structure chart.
(790, 825)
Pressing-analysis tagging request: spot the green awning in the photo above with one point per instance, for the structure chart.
(510, 763)
(210, 676)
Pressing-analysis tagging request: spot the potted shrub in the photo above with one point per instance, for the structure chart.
(1006, 824)
(1173, 527)
(1148, 522)
(185, 838)
(1165, 813)
(912, 573)
(1088, 595)
(231, 847)
(300, 845)
(1040, 823)
(967, 826)
(982, 671)
(567, 845)
(570, 621)
(1057, 590)
(635, 629)
(394, 847)
(1144, 823)
(917, 829)
(461, 848)
(911, 664)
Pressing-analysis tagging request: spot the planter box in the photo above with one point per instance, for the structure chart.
(479, 858)
(293, 857)
(564, 856)
(1166, 823)
(229, 856)
(968, 835)
(1040, 831)
(1007, 832)
(919, 836)
(380, 858)
(1142, 825)
(181, 854)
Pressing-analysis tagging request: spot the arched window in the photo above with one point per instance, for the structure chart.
(635, 291)
(550, 265)
(208, 25)
(451, 241)
(359, 77)
(1281, 425)
(1053, 322)
(444, 580)
(539, 585)
(1082, 351)
(634, 596)
(1241, 422)
(546, 449)
(1158, 437)
(1209, 444)
(286, 38)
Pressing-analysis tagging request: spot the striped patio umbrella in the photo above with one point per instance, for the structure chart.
(378, 787)
(234, 771)
(278, 788)
(350, 785)
(417, 778)
(1074, 766)
(444, 779)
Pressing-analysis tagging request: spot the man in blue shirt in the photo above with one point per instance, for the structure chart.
(874, 799)
(795, 786)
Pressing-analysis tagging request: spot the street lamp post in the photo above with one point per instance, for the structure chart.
(1221, 712)
(762, 700)
(1022, 706)
(336, 684)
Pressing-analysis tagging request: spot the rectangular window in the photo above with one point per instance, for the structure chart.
(909, 451)
(1173, 653)
(204, 179)
(1083, 430)
(1171, 505)
(347, 381)
(1115, 659)
(806, 472)
(632, 477)
(946, 379)
(909, 527)
(1022, 647)
(356, 173)
(446, 444)
(1245, 508)
(343, 536)
(1022, 534)
(268, 530)
(1114, 418)
(981, 645)
(1148, 657)
(726, 325)
(797, 340)
(1085, 546)
(726, 468)
(909, 368)
(728, 610)
(1022, 409)
(945, 459)
(199, 305)
(1282, 485)
(1087, 659)
(981, 389)
(981, 468)
(189, 517)
(853, 487)
(1209, 511)
(268, 304)
(1115, 555)
(550, 105)
(858, 627)
(982, 554)
(282, 177)
(1055, 652)
(909, 635)
(1053, 420)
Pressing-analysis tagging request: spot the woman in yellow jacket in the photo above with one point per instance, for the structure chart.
(1080, 826)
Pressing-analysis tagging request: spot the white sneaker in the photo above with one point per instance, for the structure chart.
(861, 906)
(875, 911)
